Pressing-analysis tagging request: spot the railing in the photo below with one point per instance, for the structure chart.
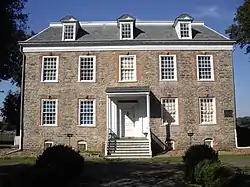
(111, 143)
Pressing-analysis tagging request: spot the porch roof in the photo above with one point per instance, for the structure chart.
(128, 89)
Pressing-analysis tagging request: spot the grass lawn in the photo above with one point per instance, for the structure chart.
(158, 171)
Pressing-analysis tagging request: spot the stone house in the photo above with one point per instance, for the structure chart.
(128, 88)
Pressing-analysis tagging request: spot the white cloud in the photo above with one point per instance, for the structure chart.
(207, 11)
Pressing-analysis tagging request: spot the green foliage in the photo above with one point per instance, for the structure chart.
(243, 121)
(214, 174)
(14, 24)
(208, 173)
(240, 29)
(60, 163)
(11, 110)
(193, 156)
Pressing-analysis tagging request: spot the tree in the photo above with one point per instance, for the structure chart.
(11, 110)
(14, 27)
(240, 29)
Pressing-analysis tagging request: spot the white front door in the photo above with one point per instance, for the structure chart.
(128, 116)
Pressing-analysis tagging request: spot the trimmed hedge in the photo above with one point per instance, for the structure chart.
(193, 156)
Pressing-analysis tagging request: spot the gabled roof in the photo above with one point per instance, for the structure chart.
(126, 17)
(183, 17)
(68, 18)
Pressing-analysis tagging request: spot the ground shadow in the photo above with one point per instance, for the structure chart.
(117, 173)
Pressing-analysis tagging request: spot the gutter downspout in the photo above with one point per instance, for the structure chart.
(21, 104)
(235, 118)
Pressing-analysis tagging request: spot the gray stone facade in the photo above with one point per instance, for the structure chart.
(188, 90)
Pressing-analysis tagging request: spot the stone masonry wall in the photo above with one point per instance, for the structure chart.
(188, 90)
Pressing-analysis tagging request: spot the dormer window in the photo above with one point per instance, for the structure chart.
(126, 31)
(182, 25)
(69, 32)
(185, 30)
(126, 24)
(70, 28)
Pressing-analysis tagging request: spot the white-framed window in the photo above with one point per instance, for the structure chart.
(171, 144)
(168, 69)
(69, 32)
(50, 69)
(87, 69)
(49, 112)
(82, 146)
(209, 142)
(170, 111)
(205, 70)
(127, 68)
(185, 30)
(48, 144)
(87, 112)
(207, 111)
(126, 31)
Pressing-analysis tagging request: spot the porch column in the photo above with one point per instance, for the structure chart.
(146, 128)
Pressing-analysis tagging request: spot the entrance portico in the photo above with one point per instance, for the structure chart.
(128, 112)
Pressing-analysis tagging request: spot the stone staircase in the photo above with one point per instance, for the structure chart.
(129, 148)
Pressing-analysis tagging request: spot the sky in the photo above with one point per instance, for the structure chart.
(217, 14)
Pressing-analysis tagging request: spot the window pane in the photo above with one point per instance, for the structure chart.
(68, 32)
(207, 112)
(168, 71)
(205, 68)
(86, 112)
(126, 31)
(184, 30)
(49, 112)
(86, 69)
(50, 68)
(127, 68)
(169, 110)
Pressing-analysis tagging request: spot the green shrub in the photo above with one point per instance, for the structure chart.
(213, 174)
(59, 163)
(193, 156)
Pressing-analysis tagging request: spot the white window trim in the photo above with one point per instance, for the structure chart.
(74, 34)
(172, 142)
(132, 30)
(120, 57)
(212, 68)
(57, 70)
(79, 69)
(214, 109)
(82, 143)
(190, 29)
(209, 140)
(176, 123)
(48, 142)
(175, 68)
(56, 120)
(94, 113)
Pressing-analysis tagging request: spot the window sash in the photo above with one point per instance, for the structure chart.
(127, 68)
(126, 31)
(69, 32)
(87, 69)
(207, 111)
(50, 68)
(87, 112)
(205, 67)
(49, 112)
(168, 70)
(171, 107)
(184, 30)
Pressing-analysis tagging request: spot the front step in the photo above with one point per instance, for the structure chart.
(129, 148)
